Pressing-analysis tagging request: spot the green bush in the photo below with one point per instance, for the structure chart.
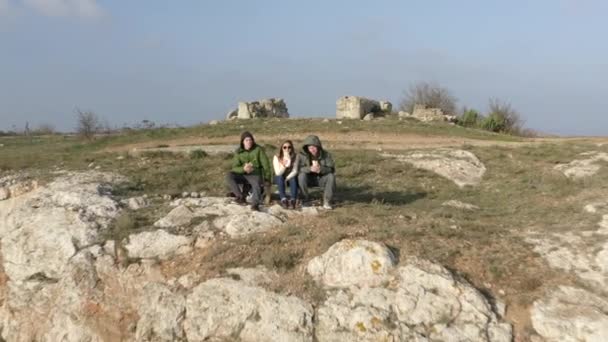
(470, 118)
(494, 123)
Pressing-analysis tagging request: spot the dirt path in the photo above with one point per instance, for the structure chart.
(357, 140)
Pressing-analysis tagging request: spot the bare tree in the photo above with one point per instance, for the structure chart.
(503, 112)
(88, 124)
(431, 95)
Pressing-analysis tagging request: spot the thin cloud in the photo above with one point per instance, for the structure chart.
(65, 8)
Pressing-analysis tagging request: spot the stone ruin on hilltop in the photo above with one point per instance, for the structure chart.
(266, 108)
(355, 107)
(425, 114)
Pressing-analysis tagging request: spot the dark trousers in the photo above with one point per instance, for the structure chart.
(327, 182)
(233, 180)
(293, 186)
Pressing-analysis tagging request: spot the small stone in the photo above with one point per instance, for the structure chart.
(185, 194)
(194, 194)
(167, 197)
(91, 165)
(4, 193)
(120, 157)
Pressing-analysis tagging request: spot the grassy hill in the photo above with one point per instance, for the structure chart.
(379, 199)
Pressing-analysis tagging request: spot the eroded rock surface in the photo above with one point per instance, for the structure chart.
(569, 314)
(229, 309)
(461, 167)
(419, 301)
(584, 167)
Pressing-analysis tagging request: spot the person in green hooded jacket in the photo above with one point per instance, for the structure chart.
(249, 166)
(316, 168)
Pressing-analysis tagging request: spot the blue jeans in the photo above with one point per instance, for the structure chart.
(293, 186)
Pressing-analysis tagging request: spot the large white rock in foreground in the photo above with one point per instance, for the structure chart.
(352, 262)
(225, 309)
(418, 301)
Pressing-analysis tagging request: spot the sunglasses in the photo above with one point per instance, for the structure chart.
(287, 147)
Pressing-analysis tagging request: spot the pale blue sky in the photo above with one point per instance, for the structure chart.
(188, 62)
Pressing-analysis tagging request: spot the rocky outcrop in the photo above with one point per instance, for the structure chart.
(568, 314)
(266, 108)
(585, 167)
(461, 167)
(157, 244)
(355, 107)
(56, 272)
(64, 286)
(228, 309)
(352, 262)
(583, 252)
(223, 215)
(15, 185)
(417, 301)
(162, 312)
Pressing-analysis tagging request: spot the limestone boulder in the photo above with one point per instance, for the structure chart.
(226, 309)
(419, 301)
(587, 166)
(157, 244)
(223, 215)
(460, 166)
(352, 262)
(569, 314)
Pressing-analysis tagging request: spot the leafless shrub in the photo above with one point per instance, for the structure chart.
(88, 124)
(431, 95)
(503, 118)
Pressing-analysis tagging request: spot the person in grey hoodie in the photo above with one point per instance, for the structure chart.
(316, 168)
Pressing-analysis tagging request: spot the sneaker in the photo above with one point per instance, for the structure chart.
(240, 200)
(230, 194)
(255, 207)
(292, 203)
(284, 203)
(327, 206)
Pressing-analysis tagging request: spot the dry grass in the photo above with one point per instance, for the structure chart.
(377, 199)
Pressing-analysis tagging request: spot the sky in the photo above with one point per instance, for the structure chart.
(191, 61)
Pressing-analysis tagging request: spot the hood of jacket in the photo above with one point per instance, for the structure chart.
(311, 140)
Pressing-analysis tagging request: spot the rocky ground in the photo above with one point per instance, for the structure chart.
(77, 266)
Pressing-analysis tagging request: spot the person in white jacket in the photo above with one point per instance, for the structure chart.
(285, 165)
